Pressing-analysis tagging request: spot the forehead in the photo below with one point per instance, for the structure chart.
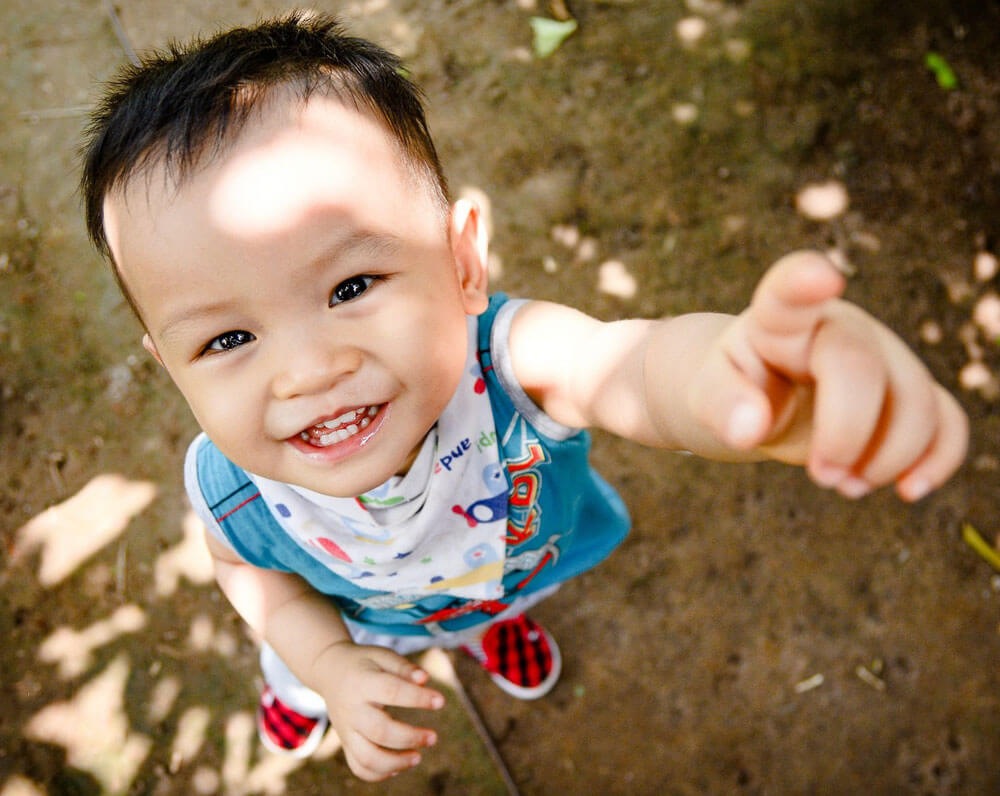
(294, 168)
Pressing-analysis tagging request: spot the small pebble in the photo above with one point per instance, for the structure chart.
(930, 332)
(566, 235)
(869, 678)
(958, 289)
(985, 463)
(839, 259)
(684, 113)
(614, 279)
(985, 266)
(822, 201)
(975, 376)
(737, 49)
(691, 29)
(986, 314)
(866, 241)
(809, 683)
(707, 7)
(969, 335)
(734, 223)
(587, 250)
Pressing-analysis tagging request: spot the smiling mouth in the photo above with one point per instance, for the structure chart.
(347, 425)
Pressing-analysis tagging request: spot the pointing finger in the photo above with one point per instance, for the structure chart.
(787, 308)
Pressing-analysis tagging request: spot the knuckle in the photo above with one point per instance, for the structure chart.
(369, 759)
(390, 689)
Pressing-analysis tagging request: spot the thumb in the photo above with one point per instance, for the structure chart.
(787, 308)
(733, 404)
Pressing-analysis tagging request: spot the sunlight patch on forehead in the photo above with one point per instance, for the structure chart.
(322, 155)
(270, 188)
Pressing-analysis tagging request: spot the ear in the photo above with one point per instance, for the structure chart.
(469, 247)
(150, 346)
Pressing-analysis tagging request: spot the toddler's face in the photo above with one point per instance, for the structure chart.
(303, 292)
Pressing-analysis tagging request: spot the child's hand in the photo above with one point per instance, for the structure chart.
(358, 682)
(810, 379)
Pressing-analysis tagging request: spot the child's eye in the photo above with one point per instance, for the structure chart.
(229, 340)
(351, 289)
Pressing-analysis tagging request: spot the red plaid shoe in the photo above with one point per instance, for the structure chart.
(286, 732)
(520, 655)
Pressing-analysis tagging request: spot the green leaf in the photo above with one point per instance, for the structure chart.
(549, 34)
(945, 75)
(980, 545)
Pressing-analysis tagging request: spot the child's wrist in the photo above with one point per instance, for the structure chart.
(329, 660)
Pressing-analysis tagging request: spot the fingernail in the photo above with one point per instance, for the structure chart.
(916, 488)
(744, 425)
(828, 475)
(437, 701)
(852, 487)
(431, 739)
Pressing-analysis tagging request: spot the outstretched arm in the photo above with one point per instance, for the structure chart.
(306, 631)
(800, 376)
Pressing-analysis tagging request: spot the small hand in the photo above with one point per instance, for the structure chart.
(814, 380)
(361, 681)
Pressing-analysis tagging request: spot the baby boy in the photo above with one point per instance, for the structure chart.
(391, 457)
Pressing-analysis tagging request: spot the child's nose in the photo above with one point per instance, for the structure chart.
(308, 369)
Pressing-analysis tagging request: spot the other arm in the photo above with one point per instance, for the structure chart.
(306, 631)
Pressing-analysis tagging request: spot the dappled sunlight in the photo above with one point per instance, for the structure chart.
(192, 728)
(73, 650)
(75, 529)
(822, 201)
(202, 637)
(162, 700)
(269, 774)
(94, 729)
(189, 558)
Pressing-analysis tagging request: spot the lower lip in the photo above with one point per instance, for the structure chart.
(344, 448)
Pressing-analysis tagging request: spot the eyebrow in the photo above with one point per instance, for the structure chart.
(361, 241)
(174, 324)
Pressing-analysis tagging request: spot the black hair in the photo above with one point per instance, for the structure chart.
(178, 106)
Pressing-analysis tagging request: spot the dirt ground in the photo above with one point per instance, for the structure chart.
(753, 634)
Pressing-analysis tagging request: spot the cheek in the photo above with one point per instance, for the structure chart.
(433, 358)
(226, 415)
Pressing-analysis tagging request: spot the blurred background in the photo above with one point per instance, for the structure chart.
(645, 157)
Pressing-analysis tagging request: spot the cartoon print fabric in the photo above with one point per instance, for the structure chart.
(438, 530)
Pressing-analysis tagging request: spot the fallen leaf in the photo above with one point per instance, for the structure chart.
(549, 34)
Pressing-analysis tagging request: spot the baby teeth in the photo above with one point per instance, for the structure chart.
(341, 434)
(347, 417)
